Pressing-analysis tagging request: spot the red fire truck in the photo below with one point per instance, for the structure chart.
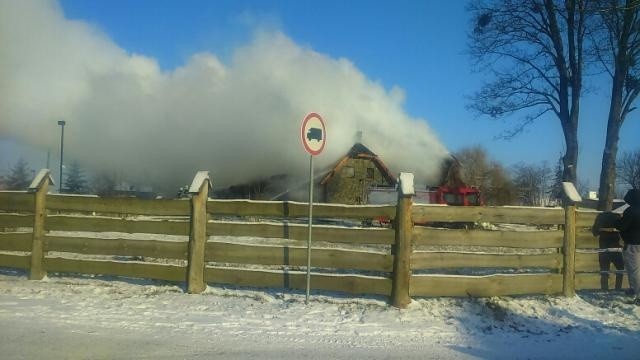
(445, 195)
(456, 196)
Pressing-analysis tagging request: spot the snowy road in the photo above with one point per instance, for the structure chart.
(80, 318)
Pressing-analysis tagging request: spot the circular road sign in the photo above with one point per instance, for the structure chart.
(313, 134)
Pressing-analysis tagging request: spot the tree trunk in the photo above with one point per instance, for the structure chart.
(607, 187)
(570, 159)
(568, 101)
(623, 53)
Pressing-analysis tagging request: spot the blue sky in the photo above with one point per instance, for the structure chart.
(417, 46)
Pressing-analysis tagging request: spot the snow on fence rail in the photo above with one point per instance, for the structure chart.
(193, 241)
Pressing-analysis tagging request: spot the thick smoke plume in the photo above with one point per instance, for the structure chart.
(239, 120)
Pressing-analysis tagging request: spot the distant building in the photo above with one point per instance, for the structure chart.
(124, 189)
(272, 188)
(591, 201)
(351, 178)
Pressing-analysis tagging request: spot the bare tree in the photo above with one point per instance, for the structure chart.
(488, 175)
(534, 52)
(533, 183)
(618, 48)
(629, 169)
(501, 190)
(104, 184)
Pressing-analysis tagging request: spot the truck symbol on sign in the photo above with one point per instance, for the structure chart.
(314, 134)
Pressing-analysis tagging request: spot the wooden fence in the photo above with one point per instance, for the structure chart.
(261, 244)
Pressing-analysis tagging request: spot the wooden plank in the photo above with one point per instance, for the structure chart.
(102, 224)
(587, 262)
(353, 284)
(117, 268)
(297, 256)
(586, 219)
(122, 247)
(502, 214)
(586, 240)
(296, 209)
(15, 220)
(299, 232)
(510, 239)
(443, 260)
(20, 201)
(485, 286)
(15, 242)
(160, 207)
(586, 281)
(15, 261)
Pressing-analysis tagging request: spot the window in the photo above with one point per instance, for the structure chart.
(473, 199)
(370, 173)
(453, 199)
(348, 172)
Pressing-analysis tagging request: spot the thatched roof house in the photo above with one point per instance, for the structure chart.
(348, 182)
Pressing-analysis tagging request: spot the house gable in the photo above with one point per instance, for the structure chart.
(350, 179)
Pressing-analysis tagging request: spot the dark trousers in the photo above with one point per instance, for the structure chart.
(605, 259)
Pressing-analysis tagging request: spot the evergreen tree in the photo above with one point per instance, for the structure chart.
(75, 182)
(556, 192)
(19, 176)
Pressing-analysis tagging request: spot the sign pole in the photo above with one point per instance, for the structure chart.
(314, 136)
(310, 226)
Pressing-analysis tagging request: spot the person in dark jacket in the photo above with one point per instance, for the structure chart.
(610, 248)
(629, 226)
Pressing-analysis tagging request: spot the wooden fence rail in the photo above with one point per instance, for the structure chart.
(202, 241)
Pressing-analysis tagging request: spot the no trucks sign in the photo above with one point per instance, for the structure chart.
(313, 134)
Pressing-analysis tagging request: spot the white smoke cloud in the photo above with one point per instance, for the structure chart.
(240, 120)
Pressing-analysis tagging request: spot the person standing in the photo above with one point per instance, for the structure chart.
(629, 227)
(610, 248)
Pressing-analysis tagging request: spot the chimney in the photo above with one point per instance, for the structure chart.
(359, 136)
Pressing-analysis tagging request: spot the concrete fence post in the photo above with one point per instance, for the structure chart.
(39, 187)
(199, 191)
(402, 248)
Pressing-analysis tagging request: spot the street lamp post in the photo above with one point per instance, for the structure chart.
(62, 123)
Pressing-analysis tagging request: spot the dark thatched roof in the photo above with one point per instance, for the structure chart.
(359, 151)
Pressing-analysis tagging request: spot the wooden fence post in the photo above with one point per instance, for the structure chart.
(39, 187)
(198, 232)
(569, 244)
(402, 248)
(569, 252)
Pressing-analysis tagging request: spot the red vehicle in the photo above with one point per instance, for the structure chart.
(456, 196)
(445, 195)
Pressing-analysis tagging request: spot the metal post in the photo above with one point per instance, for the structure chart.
(61, 123)
(310, 225)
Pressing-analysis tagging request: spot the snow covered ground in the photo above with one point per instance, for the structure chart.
(114, 318)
